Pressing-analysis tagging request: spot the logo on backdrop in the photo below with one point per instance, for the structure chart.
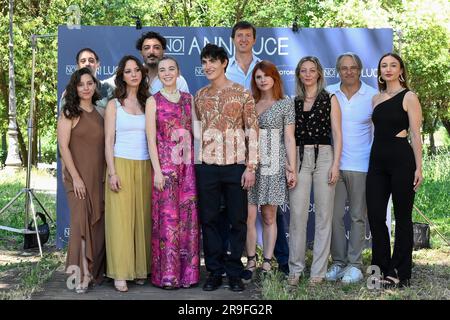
(106, 71)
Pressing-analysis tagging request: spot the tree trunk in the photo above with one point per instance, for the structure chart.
(187, 17)
(13, 158)
(22, 146)
(432, 150)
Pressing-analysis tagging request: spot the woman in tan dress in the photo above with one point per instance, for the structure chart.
(82, 144)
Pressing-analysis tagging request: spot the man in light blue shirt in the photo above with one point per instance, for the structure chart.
(355, 100)
(239, 70)
(240, 67)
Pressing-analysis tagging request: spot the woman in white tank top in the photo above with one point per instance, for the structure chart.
(128, 186)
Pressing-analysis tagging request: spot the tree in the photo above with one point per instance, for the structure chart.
(425, 41)
(13, 158)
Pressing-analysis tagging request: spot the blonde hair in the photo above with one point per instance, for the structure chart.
(299, 86)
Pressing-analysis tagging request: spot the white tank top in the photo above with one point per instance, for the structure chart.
(131, 139)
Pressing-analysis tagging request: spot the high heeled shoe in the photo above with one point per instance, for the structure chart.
(266, 261)
(247, 273)
(120, 288)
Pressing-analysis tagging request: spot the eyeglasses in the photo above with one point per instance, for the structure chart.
(347, 69)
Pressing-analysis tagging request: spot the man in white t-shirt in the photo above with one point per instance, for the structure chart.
(152, 45)
(355, 99)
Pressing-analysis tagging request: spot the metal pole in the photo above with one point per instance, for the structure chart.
(30, 130)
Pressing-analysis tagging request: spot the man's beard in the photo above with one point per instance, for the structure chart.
(152, 64)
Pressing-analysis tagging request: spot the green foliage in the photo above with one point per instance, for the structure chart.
(424, 43)
(48, 148)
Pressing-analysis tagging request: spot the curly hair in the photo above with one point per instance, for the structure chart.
(121, 87)
(71, 107)
(150, 35)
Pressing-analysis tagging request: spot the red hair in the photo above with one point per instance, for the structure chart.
(269, 70)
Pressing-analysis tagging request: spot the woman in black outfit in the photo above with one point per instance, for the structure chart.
(395, 167)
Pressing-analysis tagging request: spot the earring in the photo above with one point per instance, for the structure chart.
(380, 80)
(401, 78)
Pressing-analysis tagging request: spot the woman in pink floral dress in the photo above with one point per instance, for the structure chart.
(175, 229)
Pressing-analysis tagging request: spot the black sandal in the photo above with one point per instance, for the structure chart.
(269, 261)
(390, 282)
(247, 273)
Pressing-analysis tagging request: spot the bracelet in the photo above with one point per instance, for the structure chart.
(251, 169)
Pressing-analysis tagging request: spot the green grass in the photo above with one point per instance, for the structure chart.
(431, 267)
(431, 281)
(25, 278)
(25, 272)
(433, 197)
(10, 184)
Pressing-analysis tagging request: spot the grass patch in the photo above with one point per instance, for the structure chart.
(11, 182)
(431, 267)
(25, 278)
(23, 272)
(433, 197)
(430, 281)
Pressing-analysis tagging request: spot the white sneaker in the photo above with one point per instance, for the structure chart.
(352, 275)
(335, 273)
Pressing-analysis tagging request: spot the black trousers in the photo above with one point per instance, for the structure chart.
(391, 171)
(212, 182)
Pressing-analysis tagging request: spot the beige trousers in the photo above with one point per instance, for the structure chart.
(316, 176)
(128, 221)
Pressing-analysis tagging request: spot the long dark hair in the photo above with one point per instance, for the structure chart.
(121, 86)
(71, 108)
(382, 84)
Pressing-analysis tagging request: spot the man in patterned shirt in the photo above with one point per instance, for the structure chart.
(226, 164)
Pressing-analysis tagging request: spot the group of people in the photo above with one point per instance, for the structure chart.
(145, 171)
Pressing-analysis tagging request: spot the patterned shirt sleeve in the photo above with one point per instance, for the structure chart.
(251, 130)
(289, 112)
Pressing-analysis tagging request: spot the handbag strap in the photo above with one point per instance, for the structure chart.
(40, 215)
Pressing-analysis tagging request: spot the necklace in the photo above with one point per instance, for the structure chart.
(394, 92)
(171, 96)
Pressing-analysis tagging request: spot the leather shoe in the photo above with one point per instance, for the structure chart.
(236, 284)
(213, 282)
